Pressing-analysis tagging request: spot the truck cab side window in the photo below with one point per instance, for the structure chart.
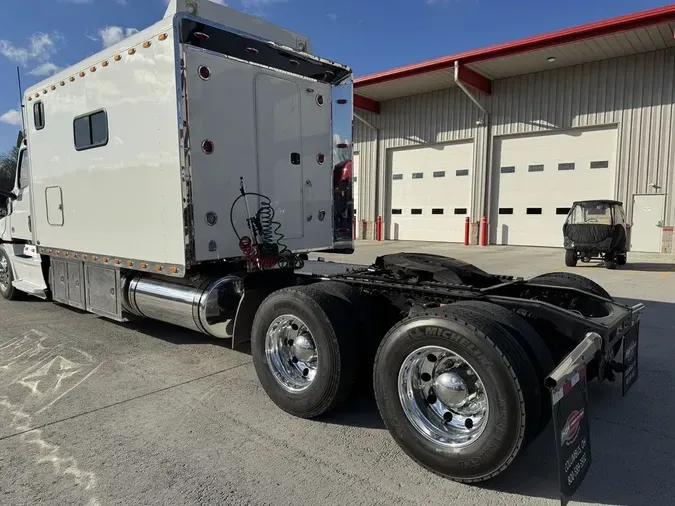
(91, 130)
(24, 170)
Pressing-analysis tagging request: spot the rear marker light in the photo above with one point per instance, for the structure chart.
(81, 74)
(252, 50)
(202, 36)
(342, 101)
(52, 88)
(117, 57)
(30, 98)
(93, 69)
(343, 145)
(62, 83)
(147, 44)
(204, 73)
(162, 37)
(320, 158)
(319, 100)
(104, 64)
(71, 79)
(207, 147)
(131, 51)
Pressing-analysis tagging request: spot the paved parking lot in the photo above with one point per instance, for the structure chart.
(94, 412)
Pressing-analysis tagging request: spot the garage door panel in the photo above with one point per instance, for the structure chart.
(545, 174)
(429, 186)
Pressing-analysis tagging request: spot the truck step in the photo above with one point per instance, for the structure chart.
(30, 288)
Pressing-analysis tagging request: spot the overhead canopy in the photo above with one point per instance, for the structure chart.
(621, 36)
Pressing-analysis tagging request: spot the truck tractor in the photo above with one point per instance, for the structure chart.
(186, 173)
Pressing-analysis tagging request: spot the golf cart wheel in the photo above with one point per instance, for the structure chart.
(7, 290)
(303, 347)
(537, 351)
(456, 392)
(573, 281)
(611, 261)
(570, 258)
(621, 258)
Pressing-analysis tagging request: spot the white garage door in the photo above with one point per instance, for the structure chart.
(430, 192)
(355, 185)
(539, 176)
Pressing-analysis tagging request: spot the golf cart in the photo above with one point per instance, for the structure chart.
(596, 229)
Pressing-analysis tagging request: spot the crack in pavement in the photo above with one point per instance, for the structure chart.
(118, 403)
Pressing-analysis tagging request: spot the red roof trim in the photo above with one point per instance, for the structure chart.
(367, 104)
(475, 80)
(566, 36)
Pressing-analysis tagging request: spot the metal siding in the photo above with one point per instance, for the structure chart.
(428, 118)
(636, 92)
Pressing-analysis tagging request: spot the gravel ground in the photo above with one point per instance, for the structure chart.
(94, 412)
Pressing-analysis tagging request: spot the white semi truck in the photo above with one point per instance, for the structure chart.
(183, 175)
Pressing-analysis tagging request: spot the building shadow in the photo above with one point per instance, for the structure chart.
(633, 266)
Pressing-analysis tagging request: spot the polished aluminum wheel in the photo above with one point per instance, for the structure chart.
(4, 274)
(291, 353)
(443, 397)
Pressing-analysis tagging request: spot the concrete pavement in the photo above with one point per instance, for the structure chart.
(94, 412)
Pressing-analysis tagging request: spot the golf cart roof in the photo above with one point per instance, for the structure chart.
(608, 202)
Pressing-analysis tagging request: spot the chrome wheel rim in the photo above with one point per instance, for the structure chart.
(443, 397)
(291, 353)
(4, 273)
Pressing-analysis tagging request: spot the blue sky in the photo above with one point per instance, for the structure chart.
(41, 36)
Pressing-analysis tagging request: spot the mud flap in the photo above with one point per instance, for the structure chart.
(569, 397)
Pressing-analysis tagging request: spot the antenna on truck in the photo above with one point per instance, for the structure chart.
(23, 118)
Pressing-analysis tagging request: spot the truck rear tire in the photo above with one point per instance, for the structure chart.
(572, 280)
(537, 351)
(7, 290)
(435, 371)
(303, 347)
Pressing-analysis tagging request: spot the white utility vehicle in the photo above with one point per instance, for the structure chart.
(183, 175)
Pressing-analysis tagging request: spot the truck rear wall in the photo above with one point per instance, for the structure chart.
(122, 199)
(267, 127)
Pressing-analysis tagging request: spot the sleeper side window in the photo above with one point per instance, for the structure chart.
(91, 130)
(39, 115)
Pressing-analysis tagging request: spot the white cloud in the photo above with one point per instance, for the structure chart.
(11, 117)
(40, 47)
(257, 6)
(46, 69)
(332, 16)
(113, 34)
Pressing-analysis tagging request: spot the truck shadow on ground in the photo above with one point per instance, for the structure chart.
(633, 445)
(633, 442)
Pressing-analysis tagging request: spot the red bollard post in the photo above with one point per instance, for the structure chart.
(483, 231)
(467, 226)
(378, 229)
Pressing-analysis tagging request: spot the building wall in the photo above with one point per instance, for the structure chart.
(636, 92)
(429, 118)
